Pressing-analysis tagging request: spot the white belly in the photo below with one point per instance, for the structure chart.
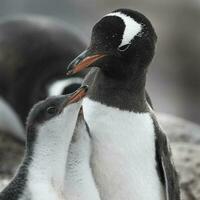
(123, 158)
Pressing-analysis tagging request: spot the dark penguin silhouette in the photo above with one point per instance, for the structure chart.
(33, 53)
(50, 127)
(130, 150)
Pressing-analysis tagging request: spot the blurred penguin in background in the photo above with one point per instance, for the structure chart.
(34, 51)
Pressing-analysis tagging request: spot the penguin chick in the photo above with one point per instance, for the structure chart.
(50, 126)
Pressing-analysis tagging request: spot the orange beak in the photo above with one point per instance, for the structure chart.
(82, 61)
(77, 96)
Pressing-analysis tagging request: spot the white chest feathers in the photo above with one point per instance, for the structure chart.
(123, 155)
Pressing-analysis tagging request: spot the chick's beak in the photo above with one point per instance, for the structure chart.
(83, 61)
(76, 96)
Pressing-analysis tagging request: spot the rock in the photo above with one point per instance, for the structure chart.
(180, 130)
(187, 161)
(185, 143)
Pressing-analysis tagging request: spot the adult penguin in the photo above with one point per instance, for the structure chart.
(33, 53)
(131, 156)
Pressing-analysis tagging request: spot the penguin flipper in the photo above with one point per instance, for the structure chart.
(166, 169)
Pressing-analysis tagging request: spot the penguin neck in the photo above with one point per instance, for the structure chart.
(44, 164)
(48, 161)
(49, 157)
(125, 94)
(43, 168)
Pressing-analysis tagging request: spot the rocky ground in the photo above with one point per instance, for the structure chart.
(185, 143)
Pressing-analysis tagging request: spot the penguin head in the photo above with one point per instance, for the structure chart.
(55, 113)
(122, 43)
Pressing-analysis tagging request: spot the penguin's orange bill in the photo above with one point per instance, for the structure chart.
(84, 63)
(78, 95)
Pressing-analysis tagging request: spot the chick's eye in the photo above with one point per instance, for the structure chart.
(51, 110)
(124, 47)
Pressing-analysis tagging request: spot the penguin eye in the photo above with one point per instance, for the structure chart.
(51, 110)
(124, 47)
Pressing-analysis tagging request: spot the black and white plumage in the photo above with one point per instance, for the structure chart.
(131, 157)
(50, 127)
(34, 50)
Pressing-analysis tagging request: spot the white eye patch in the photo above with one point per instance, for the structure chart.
(132, 28)
(56, 88)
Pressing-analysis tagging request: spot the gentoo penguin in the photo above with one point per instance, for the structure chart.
(79, 181)
(131, 157)
(50, 127)
(33, 52)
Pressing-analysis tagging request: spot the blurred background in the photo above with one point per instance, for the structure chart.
(174, 75)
